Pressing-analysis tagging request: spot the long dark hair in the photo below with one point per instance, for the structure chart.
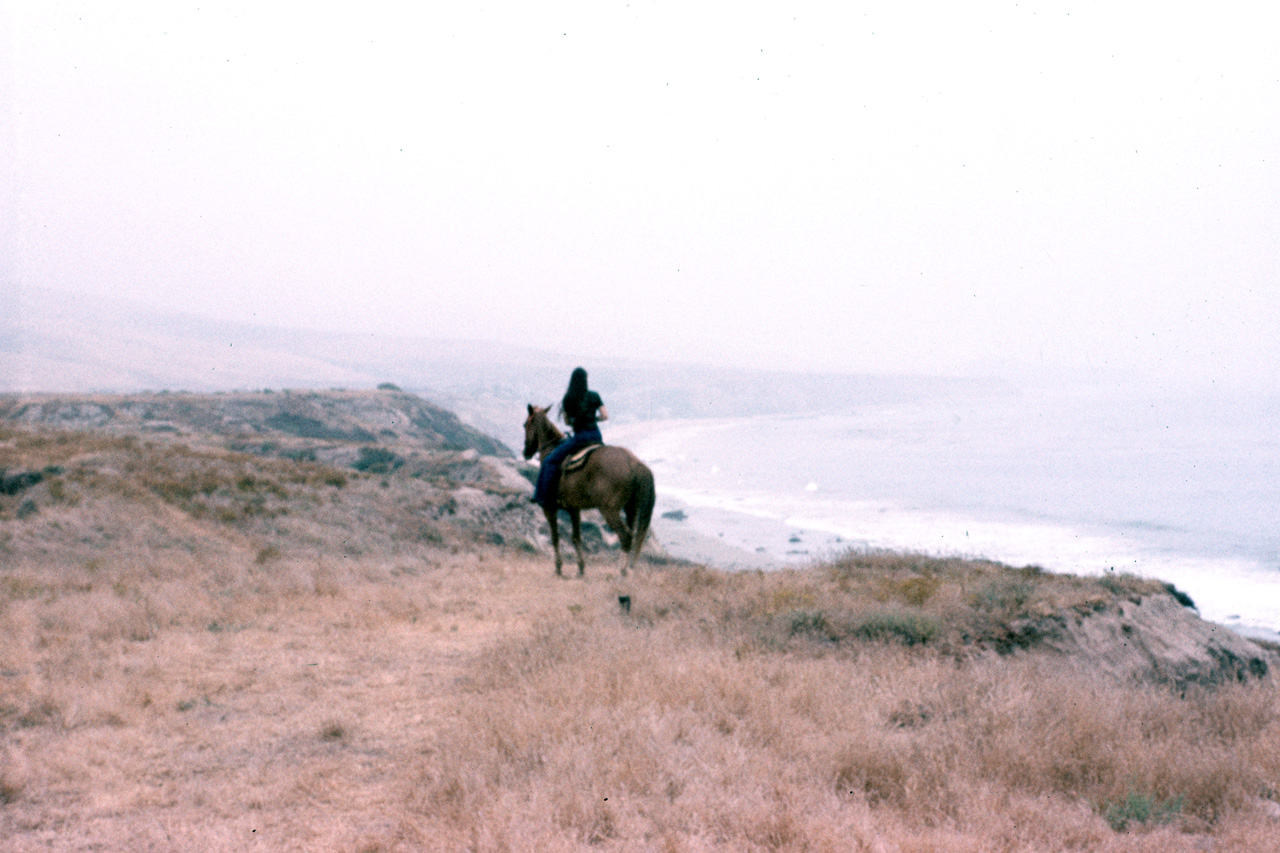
(575, 399)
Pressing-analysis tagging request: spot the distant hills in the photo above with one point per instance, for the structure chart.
(57, 342)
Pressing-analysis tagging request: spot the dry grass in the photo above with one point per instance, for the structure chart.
(172, 680)
(693, 724)
(471, 702)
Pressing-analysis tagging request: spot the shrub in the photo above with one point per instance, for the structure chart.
(810, 623)
(1180, 596)
(1123, 584)
(11, 484)
(377, 460)
(330, 477)
(1141, 808)
(906, 628)
(1004, 594)
(914, 591)
(789, 598)
(12, 783)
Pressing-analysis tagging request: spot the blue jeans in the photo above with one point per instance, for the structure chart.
(545, 490)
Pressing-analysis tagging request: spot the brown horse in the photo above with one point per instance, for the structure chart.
(612, 481)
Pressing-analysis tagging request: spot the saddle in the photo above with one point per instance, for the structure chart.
(579, 458)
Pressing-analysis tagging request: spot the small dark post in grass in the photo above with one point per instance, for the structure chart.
(624, 601)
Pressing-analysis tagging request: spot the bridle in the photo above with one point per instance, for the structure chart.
(545, 435)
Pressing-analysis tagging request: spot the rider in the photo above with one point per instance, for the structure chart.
(582, 409)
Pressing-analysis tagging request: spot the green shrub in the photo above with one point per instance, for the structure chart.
(1180, 596)
(377, 460)
(906, 628)
(1141, 808)
(811, 623)
(1005, 594)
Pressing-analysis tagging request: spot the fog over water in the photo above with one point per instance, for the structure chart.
(906, 188)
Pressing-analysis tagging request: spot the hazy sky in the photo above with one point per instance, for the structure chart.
(838, 186)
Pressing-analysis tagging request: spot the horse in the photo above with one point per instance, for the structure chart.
(613, 481)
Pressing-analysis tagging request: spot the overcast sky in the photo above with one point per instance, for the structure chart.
(837, 186)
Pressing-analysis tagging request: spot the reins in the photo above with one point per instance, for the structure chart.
(548, 435)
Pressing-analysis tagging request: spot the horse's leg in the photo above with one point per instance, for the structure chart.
(614, 520)
(550, 512)
(575, 515)
(639, 512)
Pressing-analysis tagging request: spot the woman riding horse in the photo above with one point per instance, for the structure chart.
(611, 480)
(582, 409)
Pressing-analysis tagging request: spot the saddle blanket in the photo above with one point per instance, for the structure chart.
(579, 458)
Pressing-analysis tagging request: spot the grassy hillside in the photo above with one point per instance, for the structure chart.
(292, 423)
(241, 637)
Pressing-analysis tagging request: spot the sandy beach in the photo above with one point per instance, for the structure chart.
(680, 538)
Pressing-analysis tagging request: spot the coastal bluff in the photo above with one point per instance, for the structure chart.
(285, 469)
(1123, 628)
(293, 419)
(1153, 637)
(239, 619)
(384, 471)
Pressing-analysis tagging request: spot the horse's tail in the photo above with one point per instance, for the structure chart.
(639, 508)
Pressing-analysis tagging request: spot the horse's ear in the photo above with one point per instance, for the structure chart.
(531, 408)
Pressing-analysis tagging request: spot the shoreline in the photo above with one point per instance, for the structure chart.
(735, 529)
(719, 541)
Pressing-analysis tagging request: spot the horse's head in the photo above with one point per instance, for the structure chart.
(536, 427)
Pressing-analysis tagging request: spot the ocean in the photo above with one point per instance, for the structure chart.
(1070, 479)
